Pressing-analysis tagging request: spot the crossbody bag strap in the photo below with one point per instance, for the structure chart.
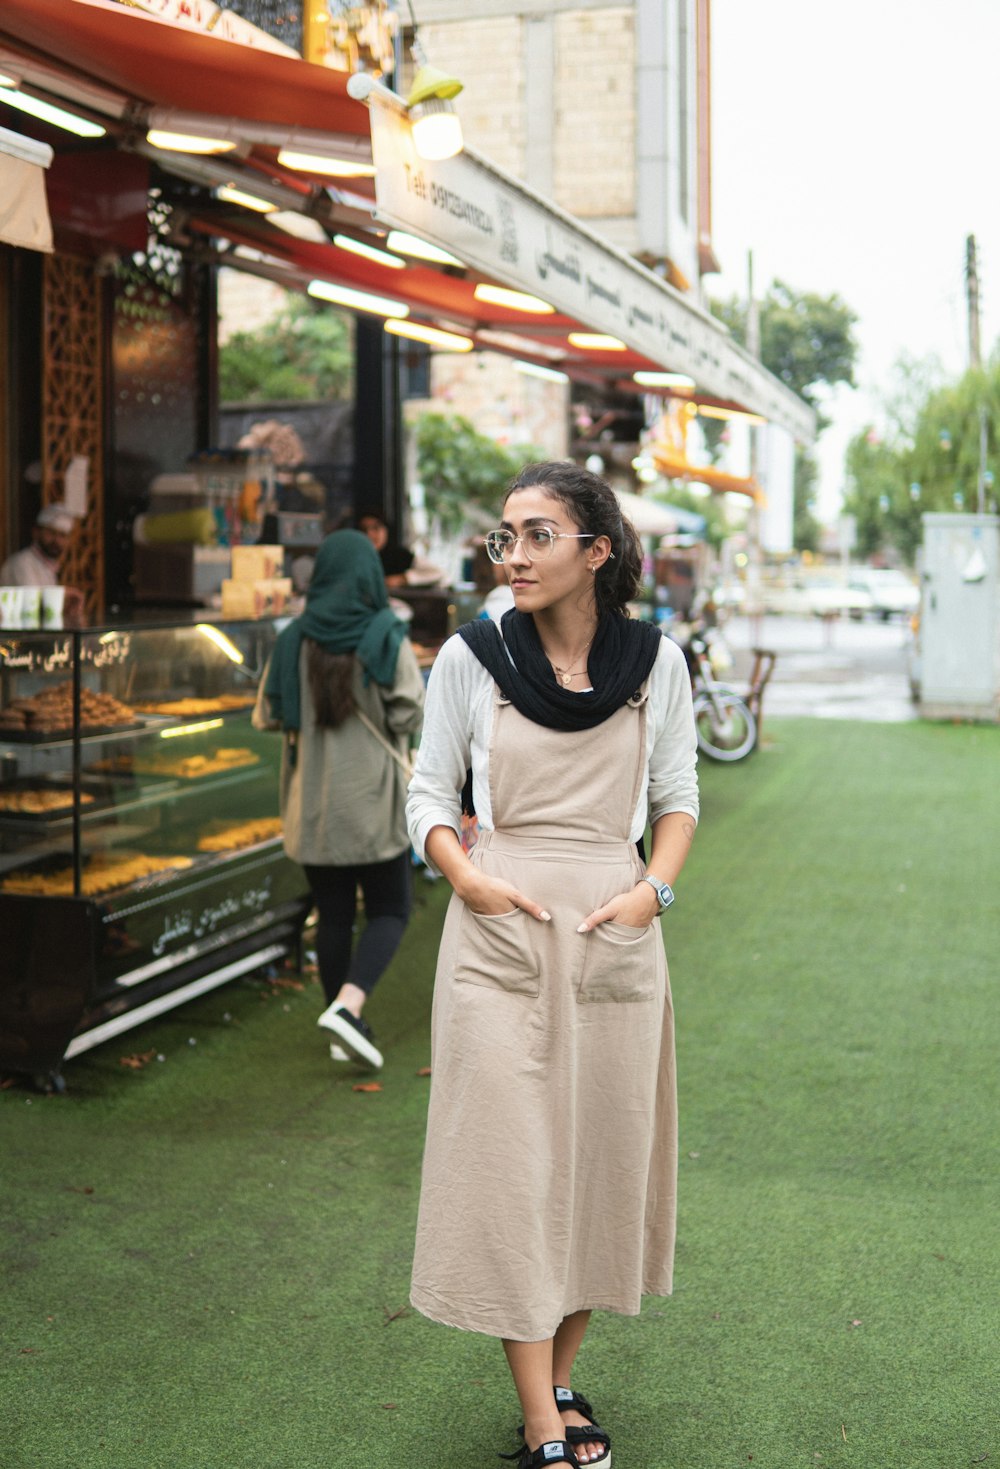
(404, 762)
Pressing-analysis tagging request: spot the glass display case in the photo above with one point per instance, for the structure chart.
(141, 860)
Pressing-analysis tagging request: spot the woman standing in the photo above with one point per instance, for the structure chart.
(344, 686)
(550, 1165)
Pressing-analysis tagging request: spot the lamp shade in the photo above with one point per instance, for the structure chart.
(429, 82)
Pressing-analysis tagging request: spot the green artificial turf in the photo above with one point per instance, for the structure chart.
(206, 1260)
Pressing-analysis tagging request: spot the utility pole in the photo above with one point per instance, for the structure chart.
(976, 359)
(972, 297)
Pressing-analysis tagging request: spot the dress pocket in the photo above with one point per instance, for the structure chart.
(495, 950)
(620, 964)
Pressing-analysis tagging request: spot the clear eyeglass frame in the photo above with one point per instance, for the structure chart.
(536, 542)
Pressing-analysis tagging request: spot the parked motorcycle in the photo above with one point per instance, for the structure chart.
(725, 724)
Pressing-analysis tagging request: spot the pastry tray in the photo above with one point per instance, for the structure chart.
(55, 736)
(160, 708)
(102, 800)
(54, 862)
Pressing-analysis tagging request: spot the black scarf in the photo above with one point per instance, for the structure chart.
(619, 661)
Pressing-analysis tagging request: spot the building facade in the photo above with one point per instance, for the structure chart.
(605, 109)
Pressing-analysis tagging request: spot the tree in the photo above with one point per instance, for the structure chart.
(808, 342)
(805, 526)
(913, 380)
(304, 352)
(928, 459)
(876, 480)
(460, 468)
(944, 459)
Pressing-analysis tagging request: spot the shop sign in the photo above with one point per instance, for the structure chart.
(501, 227)
(206, 920)
(57, 656)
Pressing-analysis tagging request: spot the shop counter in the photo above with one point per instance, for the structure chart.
(141, 860)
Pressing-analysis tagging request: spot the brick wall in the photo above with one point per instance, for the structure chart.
(486, 54)
(594, 112)
(247, 302)
(500, 401)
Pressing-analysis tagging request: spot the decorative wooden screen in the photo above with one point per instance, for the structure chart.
(72, 363)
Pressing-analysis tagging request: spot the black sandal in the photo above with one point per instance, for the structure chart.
(556, 1452)
(567, 1400)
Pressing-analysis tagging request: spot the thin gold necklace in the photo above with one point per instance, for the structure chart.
(565, 677)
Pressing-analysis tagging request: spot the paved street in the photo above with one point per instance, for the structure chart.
(829, 670)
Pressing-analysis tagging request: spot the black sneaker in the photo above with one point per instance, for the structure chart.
(354, 1035)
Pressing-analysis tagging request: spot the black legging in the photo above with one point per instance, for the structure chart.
(385, 887)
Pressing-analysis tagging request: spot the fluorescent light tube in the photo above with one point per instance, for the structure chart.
(357, 300)
(46, 112)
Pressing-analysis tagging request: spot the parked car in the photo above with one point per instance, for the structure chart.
(789, 598)
(829, 596)
(816, 596)
(891, 592)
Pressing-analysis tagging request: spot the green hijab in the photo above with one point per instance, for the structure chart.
(347, 611)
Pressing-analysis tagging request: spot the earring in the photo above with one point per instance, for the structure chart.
(593, 571)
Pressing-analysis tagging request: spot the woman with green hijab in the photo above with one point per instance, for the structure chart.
(344, 688)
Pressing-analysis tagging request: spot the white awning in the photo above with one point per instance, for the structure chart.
(24, 209)
(648, 516)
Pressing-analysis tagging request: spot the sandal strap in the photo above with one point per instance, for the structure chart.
(591, 1434)
(556, 1452)
(567, 1399)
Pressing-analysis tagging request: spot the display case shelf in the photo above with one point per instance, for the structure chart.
(83, 950)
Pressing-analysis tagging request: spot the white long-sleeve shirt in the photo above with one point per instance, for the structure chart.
(29, 568)
(458, 717)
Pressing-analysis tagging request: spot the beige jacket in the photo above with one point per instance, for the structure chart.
(344, 800)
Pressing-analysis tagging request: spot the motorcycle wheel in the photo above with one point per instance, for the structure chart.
(725, 726)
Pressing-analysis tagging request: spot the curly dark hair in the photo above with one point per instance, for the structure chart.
(594, 507)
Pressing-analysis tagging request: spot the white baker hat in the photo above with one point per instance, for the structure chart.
(56, 517)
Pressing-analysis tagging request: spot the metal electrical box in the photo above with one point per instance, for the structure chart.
(960, 617)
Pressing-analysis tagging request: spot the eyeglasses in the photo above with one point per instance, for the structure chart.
(537, 542)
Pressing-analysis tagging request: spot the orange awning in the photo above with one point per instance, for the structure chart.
(163, 64)
(116, 64)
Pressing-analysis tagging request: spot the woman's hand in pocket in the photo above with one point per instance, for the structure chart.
(635, 909)
(493, 896)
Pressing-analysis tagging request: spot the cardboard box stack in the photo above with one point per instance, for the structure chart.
(256, 589)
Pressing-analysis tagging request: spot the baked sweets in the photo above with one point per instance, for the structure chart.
(50, 711)
(101, 873)
(37, 800)
(189, 708)
(241, 834)
(193, 767)
(117, 764)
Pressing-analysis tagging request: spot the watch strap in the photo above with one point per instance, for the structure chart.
(664, 892)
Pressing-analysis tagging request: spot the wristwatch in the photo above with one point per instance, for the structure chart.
(664, 892)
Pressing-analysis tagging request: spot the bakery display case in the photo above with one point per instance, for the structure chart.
(141, 860)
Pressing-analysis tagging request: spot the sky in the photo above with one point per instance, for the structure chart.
(854, 148)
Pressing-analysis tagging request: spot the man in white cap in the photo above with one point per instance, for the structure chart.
(38, 564)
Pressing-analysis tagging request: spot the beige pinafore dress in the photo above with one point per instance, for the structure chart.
(549, 1175)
